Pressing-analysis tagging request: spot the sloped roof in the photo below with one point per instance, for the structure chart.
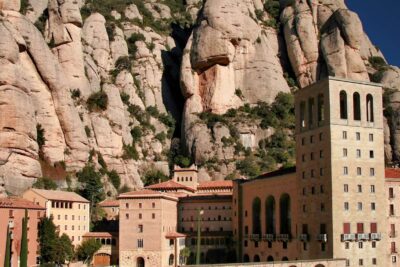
(109, 203)
(98, 234)
(174, 235)
(19, 203)
(169, 185)
(392, 173)
(60, 195)
(215, 184)
(146, 193)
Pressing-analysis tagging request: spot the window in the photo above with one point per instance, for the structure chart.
(66, 217)
(304, 175)
(345, 171)
(140, 228)
(321, 108)
(373, 244)
(343, 105)
(304, 208)
(321, 189)
(66, 227)
(321, 154)
(358, 136)
(344, 152)
(374, 261)
(358, 153)
(391, 192)
(310, 112)
(394, 259)
(372, 188)
(359, 206)
(373, 227)
(140, 205)
(360, 228)
(312, 156)
(358, 170)
(359, 188)
(360, 244)
(360, 261)
(371, 154)
(140, 243)
(370, 108)
(303, 141)
(371, 171)
(391, 210)
(127, 216)
(312, 190)
(303, 158)
(346, 188)
(371, 137)
(153, 205)
(303, 114)
(356, 107)
(344, 135)
(372, 205)
(346, 228)
(321, 136)
(321, 172)
(311, 139)
(322, 207)
(346, 205)
(312, 173)
(346, 245)
(140, 216)
(153, 215)
(127, 205)
(304, 191)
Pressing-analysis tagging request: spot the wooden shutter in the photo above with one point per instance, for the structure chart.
(346, 228)
(374, 227)
(360, 228)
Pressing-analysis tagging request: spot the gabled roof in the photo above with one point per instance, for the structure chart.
(19, 203)
(215, 184)
(109, 203)
(147, 193)
(60, 195)
(392, 173)
(169, 185)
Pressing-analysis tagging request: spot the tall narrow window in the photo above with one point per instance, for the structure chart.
(303, 114)
(356, 107)
(370, 108)
(310, 112)
(343, 105)
(321, 108)
(256, 212)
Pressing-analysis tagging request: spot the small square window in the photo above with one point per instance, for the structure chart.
(347, 245)
(372, 188)
(371, 154)
(371, 137)
(373, 244)
(346, 205)
(373, 206)
(373, 261)
(358, 170)
(345, 171)
(371, 172)
(346, 188)
(358, 153)
(360, 244)
(359, 188)
(358, 136)
(344, 152)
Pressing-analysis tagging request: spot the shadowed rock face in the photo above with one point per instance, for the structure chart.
(231, 57)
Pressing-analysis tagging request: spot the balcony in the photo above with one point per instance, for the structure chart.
(283, 237)
(255, 237)
(348, 237)
(375, 236)
(361, 237)
(322, 238)
(268, 237)
(303, 237)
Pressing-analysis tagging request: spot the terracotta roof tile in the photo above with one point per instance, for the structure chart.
(215, 184)
(98, 234)
(174, 235)
(19, 203)
(109, 203)
(170, 184)
(392, 173)
(146, 193)
(60, 195)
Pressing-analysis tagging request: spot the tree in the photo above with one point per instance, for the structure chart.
(153, 177)
(7, 255)
(184, 255)
(53, 248)
(24, 241)
(45, 183)
(92, 187)
(87, 249)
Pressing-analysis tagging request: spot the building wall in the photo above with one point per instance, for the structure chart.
(16, 221)
(112, 213)
(73, 221)
(156, 248)
(263, 189)
(333, 178)
(393, 218)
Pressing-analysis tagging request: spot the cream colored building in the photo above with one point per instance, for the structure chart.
(70, 211)
(392, 209)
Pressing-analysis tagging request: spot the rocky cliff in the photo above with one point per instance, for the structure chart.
(132, 85)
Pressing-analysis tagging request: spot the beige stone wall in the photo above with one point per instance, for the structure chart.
(74, 222)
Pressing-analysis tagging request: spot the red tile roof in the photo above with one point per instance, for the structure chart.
(215, 184)
(98, 234)
(19, 203)
(392, 173)
(146, 193)
(60, 195)
(109, 203)
(169, 185)
(174, 235)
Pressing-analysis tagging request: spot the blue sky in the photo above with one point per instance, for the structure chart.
(381, 21)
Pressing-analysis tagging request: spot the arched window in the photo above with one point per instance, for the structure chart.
(303, 114)
(246, 258)
(256, 258)
(321, 108)
(171, 259)
(270, 215)
(285, 217)
(343, 105)
(356, 107)
(370, 108)
(140, 262)
(270, 258)
(256, 212)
